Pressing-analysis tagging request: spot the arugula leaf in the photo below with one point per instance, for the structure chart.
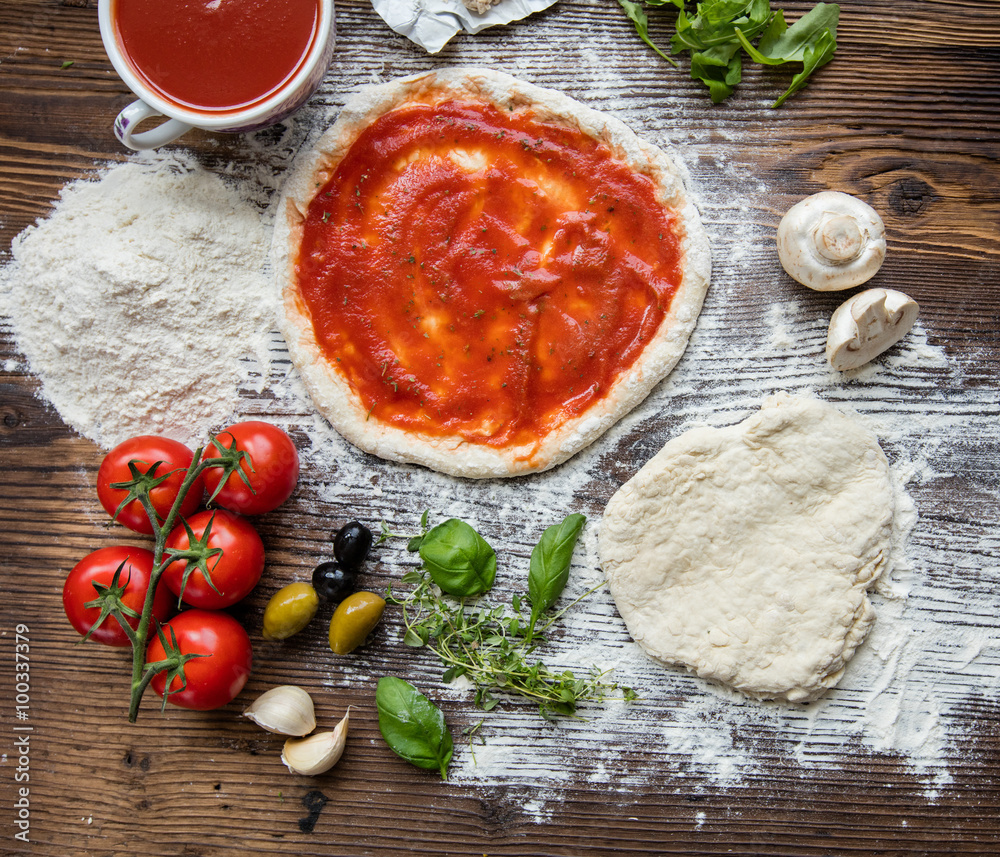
(720, 68)
(458, 559)
(721, 30)
(413, 726)
(716, 13)
(811, 40)
(818, 55)
(549, 569)
(781, 44)
(637, 15)
(775, 30)
(717, 23)
(710, 36)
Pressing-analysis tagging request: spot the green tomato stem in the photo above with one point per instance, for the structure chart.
(141, 677)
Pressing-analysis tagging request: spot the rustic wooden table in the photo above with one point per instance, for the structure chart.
(907, 117)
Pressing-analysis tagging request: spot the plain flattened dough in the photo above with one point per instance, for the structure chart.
(745, 553)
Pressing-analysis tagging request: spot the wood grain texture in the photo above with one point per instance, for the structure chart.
(907, 117)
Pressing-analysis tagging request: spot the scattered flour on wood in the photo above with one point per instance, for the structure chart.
(934, 647)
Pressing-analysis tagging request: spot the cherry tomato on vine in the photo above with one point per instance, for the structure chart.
(272, 469)
(232, 553)
(99, 567)
(212, 681)
(146, 450)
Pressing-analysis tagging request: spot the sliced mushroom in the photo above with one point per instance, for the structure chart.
(866, 325)
(830, 241)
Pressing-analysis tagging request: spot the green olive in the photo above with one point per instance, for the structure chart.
(353, 620)
(290, 609)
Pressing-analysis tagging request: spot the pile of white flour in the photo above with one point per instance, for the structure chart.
(139, 299)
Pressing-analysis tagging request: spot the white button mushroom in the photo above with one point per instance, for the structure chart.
(830, 241)
(866, 325)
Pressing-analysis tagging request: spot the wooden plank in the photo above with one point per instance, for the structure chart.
(907, 116)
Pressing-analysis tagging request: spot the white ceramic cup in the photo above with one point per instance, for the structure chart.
(273, 109)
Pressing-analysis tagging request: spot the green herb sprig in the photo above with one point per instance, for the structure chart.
(722, 31)
(491, 645)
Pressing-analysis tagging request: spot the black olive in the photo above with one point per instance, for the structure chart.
(351, 544)
(333, 582)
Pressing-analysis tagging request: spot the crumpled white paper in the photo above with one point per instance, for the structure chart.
(431, 23)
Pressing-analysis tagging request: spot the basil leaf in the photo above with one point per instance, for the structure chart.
(458, 559)
(413, 726)
(637, 15)
(550, 562)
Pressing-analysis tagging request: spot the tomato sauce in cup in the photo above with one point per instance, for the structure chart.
(215, 56)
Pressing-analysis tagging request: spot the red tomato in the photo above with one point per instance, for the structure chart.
(273, 469)
(100, 567)
(146, 450)
(211, 681)
(234, 572)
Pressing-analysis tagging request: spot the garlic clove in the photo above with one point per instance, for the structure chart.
(830, 241)
(866, 325)
(285, 710)
(317, 753)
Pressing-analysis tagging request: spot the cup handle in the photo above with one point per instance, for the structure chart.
(162, 134)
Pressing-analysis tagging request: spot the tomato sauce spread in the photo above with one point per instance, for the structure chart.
(476, 273)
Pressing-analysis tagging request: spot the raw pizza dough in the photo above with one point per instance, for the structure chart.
(745, 553)
(457, 455)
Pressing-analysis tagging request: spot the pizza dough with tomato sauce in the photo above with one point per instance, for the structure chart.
(482, 276)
